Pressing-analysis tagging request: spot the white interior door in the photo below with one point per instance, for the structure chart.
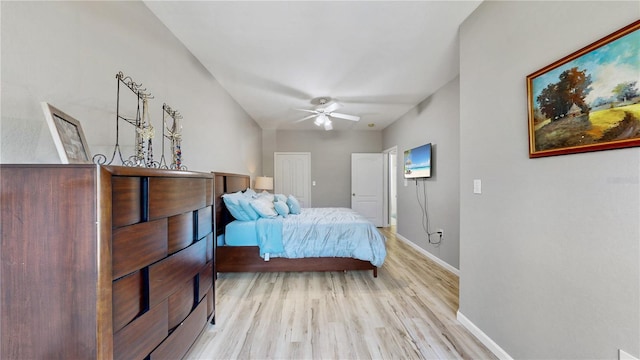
(367, 176)
(292, 175)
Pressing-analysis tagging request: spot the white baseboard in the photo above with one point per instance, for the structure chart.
(484, 339)
(429, 255)
(473, 329)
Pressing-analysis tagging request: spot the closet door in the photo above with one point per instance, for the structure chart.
(292, 175)
(367, 175)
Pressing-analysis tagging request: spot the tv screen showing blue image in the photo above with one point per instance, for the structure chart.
(417, 162)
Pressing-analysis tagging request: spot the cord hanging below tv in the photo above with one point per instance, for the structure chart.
(417, 162)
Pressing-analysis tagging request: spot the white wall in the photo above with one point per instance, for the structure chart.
(68, 53)
(435, 120)
(549, 252)
(330, 159)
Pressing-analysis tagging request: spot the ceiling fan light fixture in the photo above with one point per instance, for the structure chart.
(321, 119)
(324, 111)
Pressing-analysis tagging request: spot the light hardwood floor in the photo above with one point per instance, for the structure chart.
(408, 312)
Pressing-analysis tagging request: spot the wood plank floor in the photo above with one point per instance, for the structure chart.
(408, 312)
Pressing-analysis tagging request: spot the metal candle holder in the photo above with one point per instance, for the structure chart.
(174, 135)
(143, 155)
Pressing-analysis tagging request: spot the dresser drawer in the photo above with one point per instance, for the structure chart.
(206, 280)
(167, 275)
(128, 299)
(180, 232)
(205, 222)
(139, 338)
(173, 196)
(136, 246)
(181, 303)
(127, 200)
(181, 339)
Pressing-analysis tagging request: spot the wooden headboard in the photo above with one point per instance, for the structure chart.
(226, 183)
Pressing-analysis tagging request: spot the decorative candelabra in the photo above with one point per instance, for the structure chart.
(174, 135)
(144, 132)
(144, 138)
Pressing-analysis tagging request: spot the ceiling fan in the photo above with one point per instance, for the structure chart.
(324, 110)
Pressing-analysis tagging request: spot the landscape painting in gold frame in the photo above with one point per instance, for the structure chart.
(588, 100)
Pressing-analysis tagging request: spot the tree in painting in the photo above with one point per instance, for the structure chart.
(557, 98)
(626, 90)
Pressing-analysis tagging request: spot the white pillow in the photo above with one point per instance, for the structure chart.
(264, 207)
(266, 195)
(250, 193)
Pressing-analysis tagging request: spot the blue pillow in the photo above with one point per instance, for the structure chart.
(281, 197)
(246, 206)
(264, 207)
(294, 205)
(281, 208)
(232, 201)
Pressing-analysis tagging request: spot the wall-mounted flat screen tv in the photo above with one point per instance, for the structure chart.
(417, 162)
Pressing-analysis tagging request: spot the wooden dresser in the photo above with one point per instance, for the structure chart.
(102, 262)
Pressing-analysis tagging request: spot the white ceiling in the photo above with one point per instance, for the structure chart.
(378, 59)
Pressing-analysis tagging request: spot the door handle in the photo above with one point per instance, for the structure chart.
(354, 194)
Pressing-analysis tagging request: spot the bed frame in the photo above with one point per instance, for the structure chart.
(247, 258)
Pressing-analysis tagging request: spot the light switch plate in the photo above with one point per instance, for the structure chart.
(477, 186)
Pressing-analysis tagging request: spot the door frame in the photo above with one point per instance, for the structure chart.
(387, 191)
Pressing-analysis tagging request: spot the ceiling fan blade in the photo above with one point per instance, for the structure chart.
(345, 116)
(311, 111)
(332, 107)
(305, 118)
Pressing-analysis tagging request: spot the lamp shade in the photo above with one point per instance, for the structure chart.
(264, 183)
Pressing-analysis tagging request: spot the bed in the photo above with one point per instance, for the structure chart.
(248, 258)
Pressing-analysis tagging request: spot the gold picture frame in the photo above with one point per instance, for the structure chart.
(67, 136)
(588, 100)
